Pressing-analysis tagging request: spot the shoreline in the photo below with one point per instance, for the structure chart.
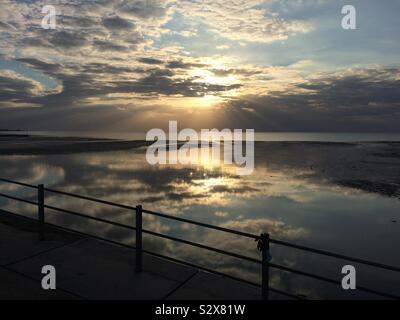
(372, 167)
(45, 145)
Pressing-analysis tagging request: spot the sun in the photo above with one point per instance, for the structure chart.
(216, 85)
(210, 100)
(208, 77)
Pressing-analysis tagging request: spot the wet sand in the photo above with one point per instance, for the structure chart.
(36, 145)
(371, 167)
(368, 166)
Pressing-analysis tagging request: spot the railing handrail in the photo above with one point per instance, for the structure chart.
(205, 225)
(240, 233)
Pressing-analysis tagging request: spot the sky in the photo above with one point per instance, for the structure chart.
(134, 65)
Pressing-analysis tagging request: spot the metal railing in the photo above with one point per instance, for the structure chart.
(263, 242)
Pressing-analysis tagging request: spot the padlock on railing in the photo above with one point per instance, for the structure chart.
(263, 246)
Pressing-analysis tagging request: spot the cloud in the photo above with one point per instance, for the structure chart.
(241, 72)
(162, 82)
(6, 26)
(117, 23)
(146, 9)
(64, 39)
(81, 82)
(360, 99)
(242, 20)
(150, 61)
(356, 99)
(109, 46)
(16, 88)
(49, 68)
(180, 64)
(128, 55)
(247, 247)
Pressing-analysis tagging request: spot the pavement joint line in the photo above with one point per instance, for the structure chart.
(39, 282)
(42, 252)
(171, 289)
(180, 285)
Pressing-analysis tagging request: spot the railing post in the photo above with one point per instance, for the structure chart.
(41, 211)
(263, 246)
(139, 242)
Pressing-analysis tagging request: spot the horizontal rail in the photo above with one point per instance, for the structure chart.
(235, 232)
(287, 269)
(218, 228)
(202, 246)
(19, 183)
(183, 263)
(336, 255)
(90, 217)
(235, 255)
(239, 233)
(223, 274)
(321, 278)
(160, 235)
(90, 199)
(164, 257)
(17, 199)
(110, 203)
(201, 224)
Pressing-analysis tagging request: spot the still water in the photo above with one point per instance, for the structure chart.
(281, 198)
(259, 136)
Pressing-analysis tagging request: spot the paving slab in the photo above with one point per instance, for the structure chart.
(16, 287)
(98, 270)
(207, 286)
(94, 269)
(19, 238)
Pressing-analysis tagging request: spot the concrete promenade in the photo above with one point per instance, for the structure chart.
(87, 268)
